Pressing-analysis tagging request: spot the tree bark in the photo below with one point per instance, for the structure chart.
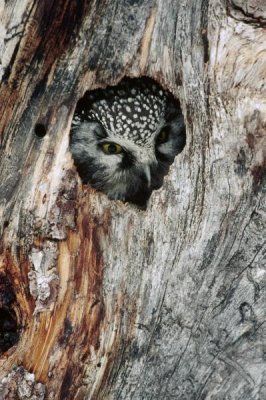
(101, 300)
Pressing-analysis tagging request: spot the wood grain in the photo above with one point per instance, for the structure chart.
(113, 302)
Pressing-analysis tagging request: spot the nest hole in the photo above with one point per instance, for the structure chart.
(9, 326)
(9, 334)
(124, 138)
(40, 130)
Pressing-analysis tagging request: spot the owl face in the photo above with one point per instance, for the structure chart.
(124, 139)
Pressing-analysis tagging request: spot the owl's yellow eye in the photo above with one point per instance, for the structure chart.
(162, 137)
(111, 148)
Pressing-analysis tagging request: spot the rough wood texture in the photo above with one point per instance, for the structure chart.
(112, 302)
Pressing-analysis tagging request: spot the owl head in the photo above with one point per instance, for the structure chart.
(124, 138)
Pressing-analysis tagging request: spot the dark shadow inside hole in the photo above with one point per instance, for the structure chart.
(124, 138)
(9, 334)
(40, 130)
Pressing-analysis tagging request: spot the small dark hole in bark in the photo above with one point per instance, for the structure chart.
(9, 334)
(6, 223)
(124, 138)
(40, 130)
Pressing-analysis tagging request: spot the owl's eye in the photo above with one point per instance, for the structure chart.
(162, 137)
(111, 148)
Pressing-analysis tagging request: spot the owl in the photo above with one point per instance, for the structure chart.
(124, 138)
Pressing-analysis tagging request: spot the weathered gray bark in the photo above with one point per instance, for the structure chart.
(113, 302)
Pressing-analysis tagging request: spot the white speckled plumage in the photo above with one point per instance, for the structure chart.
(131, 115)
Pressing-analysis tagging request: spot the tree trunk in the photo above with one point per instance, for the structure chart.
(101, 300)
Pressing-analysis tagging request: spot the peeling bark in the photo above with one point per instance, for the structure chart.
(108, 301)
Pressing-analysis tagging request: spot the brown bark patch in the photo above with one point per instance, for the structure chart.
(80, 309)
(146, 41)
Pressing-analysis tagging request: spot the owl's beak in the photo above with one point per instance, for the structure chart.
(147, 171)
